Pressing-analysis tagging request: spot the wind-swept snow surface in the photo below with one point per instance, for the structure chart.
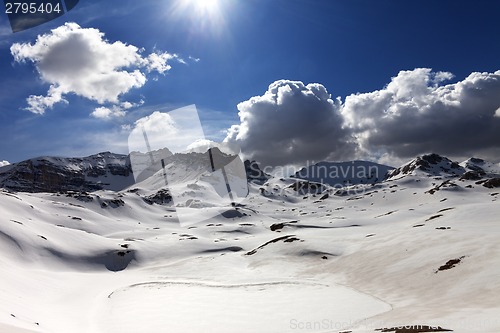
(419, 249)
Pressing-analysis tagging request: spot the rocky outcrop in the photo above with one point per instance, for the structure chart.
(254, 173)
(56, 174)
(492, 183)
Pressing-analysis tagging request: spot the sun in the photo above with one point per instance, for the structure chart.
(207, 6)
(205, 16)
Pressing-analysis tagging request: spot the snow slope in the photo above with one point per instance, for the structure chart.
(417, 249)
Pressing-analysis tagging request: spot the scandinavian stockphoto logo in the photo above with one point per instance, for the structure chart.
(28, 14)
(169, 152)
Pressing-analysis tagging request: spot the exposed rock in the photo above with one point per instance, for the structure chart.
(161, 197)
(306, 187)
(450, 264)
(473, 175)
(57, 174)
(492, 183)
(254, 173)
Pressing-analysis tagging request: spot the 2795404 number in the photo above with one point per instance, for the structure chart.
(31, 8)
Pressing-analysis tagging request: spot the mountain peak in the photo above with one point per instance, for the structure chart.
(482, 167)
(431, 165)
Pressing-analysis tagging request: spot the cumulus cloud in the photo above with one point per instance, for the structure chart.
(175, 130)
(3, 163)
(416, 114)
(291, 123)
(158, 123)
(159, 62)
(107, 113)
(203, 145)
(75, 60)
(114, 111)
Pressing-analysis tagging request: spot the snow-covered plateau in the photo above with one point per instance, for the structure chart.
(85, 249)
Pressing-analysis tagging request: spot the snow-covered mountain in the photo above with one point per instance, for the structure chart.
(108, 171)
(54, 174)
(432, 165)
(344, 173)
(196, 180)
(418, 249)
(477, 168)
(441, 168)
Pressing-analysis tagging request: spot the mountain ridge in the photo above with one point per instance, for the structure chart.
(100, 171)
(434, 165)
(344, 173)
(110, 171)
(107, 171)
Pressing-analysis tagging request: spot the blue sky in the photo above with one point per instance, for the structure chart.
(230, 51)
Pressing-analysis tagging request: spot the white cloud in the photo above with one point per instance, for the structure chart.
(291, 123)
(108, 113)
(126, 128)
(203, 145)
(175, 130)
(497, 113)
(114, 111)
(413, 114)
(128, 105)
(75, 60)
(38, 104)
(159, 62)
(157, 123)
(4, 163)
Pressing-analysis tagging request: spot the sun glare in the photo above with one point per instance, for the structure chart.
(205, 16)
(207, 6)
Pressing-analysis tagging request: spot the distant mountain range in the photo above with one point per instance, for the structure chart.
(341, 174)
(108, 171)
(434, 165)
